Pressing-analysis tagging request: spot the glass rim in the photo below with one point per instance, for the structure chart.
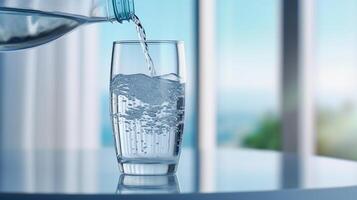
(138, 42)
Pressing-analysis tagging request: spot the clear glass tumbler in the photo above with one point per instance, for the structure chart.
(147, 106)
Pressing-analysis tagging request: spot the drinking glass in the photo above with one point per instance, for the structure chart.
(147, 105)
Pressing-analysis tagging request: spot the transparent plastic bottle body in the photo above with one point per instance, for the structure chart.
(25, 24)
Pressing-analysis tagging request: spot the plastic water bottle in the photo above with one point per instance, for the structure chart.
(25, 24)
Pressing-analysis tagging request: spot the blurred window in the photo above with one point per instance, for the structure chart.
(336, 97)
(248, 52)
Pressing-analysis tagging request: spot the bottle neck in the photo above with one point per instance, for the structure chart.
(120, 10)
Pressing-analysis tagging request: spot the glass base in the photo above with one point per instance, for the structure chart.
(130, 184)
(148, 168)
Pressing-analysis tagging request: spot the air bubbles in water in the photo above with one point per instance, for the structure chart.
(149, 110)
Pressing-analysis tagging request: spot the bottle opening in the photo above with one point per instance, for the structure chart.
(123, 9)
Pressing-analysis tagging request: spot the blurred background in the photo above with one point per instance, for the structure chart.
(248, 65)
(57, 95)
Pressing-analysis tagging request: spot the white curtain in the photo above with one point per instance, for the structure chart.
(49, 100)
(49, 94)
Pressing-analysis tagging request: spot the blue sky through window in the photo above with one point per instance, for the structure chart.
(248, 50)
